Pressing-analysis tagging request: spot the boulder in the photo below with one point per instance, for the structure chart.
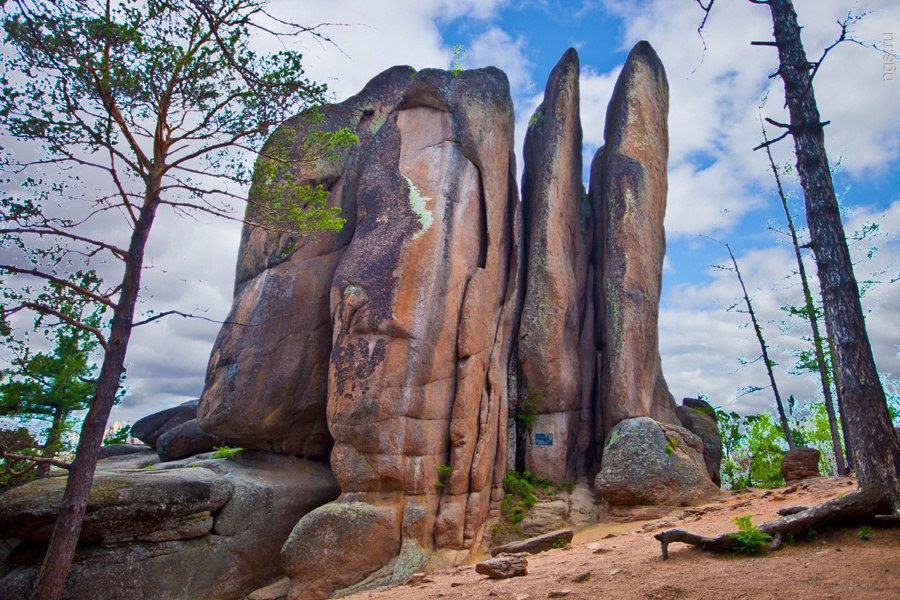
(148, 429)
(699, 417)
(646, 462)
(628, 187)
(264, 495)
(800, 463)
(266, 384)
(534, 545)
(555, 393)
(186, 440)
(121, 450)
(504, 566)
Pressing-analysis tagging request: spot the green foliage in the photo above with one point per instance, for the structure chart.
(559, 543)
(119, 436)
(444, 472)
(459, 58)
(865, 532)
(671, 444)
(521, 492)
(753, 448)
(749, 539)
(17, 471)
(526, 409)
(49, 386)
(225, 451)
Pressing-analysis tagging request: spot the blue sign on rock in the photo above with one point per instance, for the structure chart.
(543, 439)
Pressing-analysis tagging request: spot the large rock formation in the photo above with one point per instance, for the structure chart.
(423, 307)
(555, 373)
(199, 529)
(628, 191)
(425, 349)
(266, 386)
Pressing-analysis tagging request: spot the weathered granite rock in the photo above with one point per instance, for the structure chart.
(122, 507)
(148, 429)
(266, 384)
(699, 417)
(423, 304)
(504, 566)
(554, 391)
(646, 462)
(121, 450)
(186, 440)
(800, 463)
(238, 552)
(540, 543)
(628, 188)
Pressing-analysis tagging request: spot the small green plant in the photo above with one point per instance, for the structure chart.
(749, 540)
(865, 532)
(811, 535)
(526, 409)
(671, 444)
(560, 543)
(119, 436)
(459, 57)
(225, 451)
(444, 472)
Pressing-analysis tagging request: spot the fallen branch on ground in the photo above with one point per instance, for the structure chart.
(846, 510)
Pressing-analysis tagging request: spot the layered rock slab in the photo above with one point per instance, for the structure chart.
(266, 384)
(556, 370)
(423, 307)
(198, 529)
(628, 190)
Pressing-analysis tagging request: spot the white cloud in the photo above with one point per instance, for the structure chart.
(497, 48)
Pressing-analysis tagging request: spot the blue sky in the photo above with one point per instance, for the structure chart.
(718, 185)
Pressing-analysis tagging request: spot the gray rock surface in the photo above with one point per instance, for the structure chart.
(238, 553)
(646, 462)
(186, 440)
(694, 415)
(534, 545)
(148, 429)
(504, 566)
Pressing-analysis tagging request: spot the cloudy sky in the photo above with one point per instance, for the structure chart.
(719, 187)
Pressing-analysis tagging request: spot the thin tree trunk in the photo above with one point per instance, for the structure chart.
(818, 345)
(51, 446)
(51, 578)
(765, 352)
(874, 445)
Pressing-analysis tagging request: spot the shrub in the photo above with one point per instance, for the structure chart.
(749, 540)
(225, 451)
(444, 472)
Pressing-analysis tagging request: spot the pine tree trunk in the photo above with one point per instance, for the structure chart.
(874, 445)
(51, 578)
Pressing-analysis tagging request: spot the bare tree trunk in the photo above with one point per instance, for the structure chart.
(51, 446)
(874, 445)
(818, 345)
(765, 352)
(51, 578)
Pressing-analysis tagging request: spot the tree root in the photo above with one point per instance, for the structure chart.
(850, 509)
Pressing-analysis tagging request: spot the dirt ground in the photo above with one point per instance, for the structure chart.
(622, 561)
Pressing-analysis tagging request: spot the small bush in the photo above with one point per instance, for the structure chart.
(749, 540)
(865, 532)
(444, 472)
(560, 543)
(225, 451)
